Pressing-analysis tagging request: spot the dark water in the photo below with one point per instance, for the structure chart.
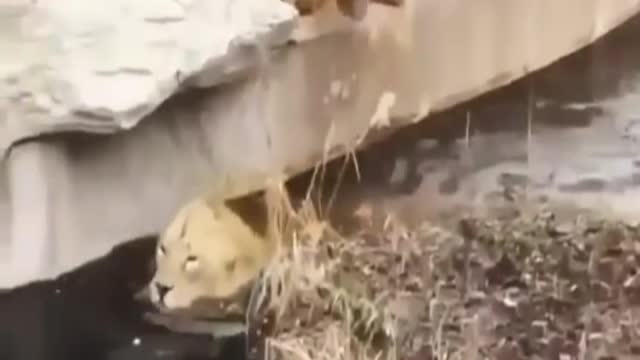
(570, 133)
(90, 313)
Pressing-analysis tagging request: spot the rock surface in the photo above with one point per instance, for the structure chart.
(67, 199)
(101, 66)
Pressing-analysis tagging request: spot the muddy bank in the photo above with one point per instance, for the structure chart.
(525, 286)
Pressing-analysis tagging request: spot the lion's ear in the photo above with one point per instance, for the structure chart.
(253, 211)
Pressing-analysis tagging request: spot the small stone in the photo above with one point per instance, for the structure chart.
(562, 229)
(539, 328)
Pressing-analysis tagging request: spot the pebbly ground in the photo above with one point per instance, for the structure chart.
(522, 286)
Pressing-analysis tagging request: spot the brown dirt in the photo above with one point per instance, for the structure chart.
(517, 287)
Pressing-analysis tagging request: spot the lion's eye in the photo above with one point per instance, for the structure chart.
(191, 264)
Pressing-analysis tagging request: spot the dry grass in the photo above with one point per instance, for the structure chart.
(331, 296)
(518, 288)
(524, 287)
(317, 318)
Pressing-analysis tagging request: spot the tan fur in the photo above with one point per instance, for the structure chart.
(211, 251)
(355, 9)
(307, 7)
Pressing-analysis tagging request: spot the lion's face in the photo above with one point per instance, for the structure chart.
(205, 254)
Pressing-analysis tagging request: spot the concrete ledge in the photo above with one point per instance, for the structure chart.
(73, 197)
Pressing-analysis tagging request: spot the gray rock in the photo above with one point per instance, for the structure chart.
(101, 66)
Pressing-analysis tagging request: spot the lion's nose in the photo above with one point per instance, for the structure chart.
(162, 291)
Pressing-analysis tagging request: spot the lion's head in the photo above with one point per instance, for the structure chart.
(211, 251)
